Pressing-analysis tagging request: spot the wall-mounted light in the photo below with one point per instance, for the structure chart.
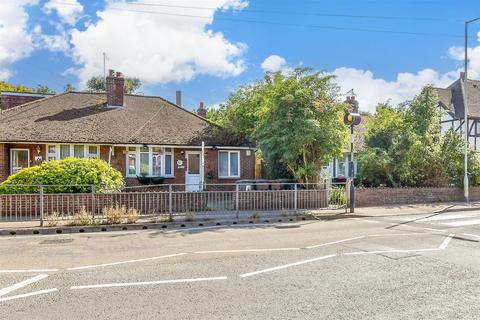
(38, 149)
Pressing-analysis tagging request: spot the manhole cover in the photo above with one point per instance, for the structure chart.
(56, 241)
(288, 226)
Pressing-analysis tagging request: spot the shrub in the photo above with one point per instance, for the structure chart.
(70, 173)
(337, 196)
(115, 215)
(52, 219)
(81, 218)
(132, 215)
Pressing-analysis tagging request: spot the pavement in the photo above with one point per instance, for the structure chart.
(411, 266)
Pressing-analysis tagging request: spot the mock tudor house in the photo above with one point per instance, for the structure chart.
(452, 101)
(142, 136)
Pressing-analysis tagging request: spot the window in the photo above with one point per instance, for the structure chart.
(149, 161)
(63, 151)
(20, 159)
(78, 151)
(341, 172)
(229, 164)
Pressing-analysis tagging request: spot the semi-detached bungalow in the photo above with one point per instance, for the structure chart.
(139, 135)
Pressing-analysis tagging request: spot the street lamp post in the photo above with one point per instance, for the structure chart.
(465, 111)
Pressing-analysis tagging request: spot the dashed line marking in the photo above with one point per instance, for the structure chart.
(445, 242)
(28, 270)
(25, 295)
(245, 250)
(286, 266)
(22, 284)
(125, 262)
(334, 242)
(389, 251)
(144, 283)
(471, 235)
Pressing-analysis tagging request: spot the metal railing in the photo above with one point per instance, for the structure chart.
(172, 200)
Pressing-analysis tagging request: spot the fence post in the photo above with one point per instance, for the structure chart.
(170, 202)
(347, 194)
(295, 198)
(93, 204)
(236, 199)
(41, 206)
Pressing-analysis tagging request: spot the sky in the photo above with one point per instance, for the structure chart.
(385, 50)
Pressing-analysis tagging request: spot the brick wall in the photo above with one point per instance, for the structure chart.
(10, 101)
(366, 197)
(4, 168)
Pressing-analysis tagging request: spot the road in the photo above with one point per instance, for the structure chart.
(402, 267)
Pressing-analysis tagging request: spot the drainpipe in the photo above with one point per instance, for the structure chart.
(110, 155)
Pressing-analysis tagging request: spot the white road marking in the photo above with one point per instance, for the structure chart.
(246, 250)
(145, 283)
(370, 221)
(125, 262)
(28, 270)
(440, 218)
(389, 251)
(437, 230)
(22, 284)
(471, 235)
(463, 223)
(445, 242)
(396, 234)
(34, 293)
(334, 242)
(286, 266)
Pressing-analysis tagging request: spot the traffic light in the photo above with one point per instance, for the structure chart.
(352, 119)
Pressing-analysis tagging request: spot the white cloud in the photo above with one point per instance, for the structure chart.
(370, 90)
(54, 42)
(457, 53)
(15, 41)
(157, 48)
(69, 11)
(274, 63)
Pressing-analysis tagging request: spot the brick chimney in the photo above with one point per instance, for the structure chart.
(115, 89)
(202, 110)
(353, 102)
(462, 76)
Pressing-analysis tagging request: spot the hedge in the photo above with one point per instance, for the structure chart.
(69, 173)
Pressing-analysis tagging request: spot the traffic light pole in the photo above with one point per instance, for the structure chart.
(352, 173)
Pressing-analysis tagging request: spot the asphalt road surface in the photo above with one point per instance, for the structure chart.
(403, 267)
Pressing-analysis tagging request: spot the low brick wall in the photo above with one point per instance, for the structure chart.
(367, 197)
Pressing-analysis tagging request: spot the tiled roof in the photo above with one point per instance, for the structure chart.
(81, 117)
(452, 98)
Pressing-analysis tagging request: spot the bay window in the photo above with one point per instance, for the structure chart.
(149, 161)
(229, 164)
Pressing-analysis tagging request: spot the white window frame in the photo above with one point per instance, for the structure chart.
(150, 163)
(11, 158)
(229, 166)
(86, 154)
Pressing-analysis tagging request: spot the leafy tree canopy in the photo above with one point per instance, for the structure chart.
(5, 86)
(293, 117)
(405, 147)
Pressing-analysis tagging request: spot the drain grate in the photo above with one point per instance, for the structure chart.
(56, 241)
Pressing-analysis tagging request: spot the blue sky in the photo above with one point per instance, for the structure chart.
(207, 48)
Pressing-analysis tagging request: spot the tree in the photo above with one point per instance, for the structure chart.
(97, 84)
(5, 86)
(293, 117)
(68, 87)
(405, 147)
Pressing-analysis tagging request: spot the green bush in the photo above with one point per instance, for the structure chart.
(69, 173)
(337, 196)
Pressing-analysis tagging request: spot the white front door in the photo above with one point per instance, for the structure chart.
(19, 159)
(192, 174)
